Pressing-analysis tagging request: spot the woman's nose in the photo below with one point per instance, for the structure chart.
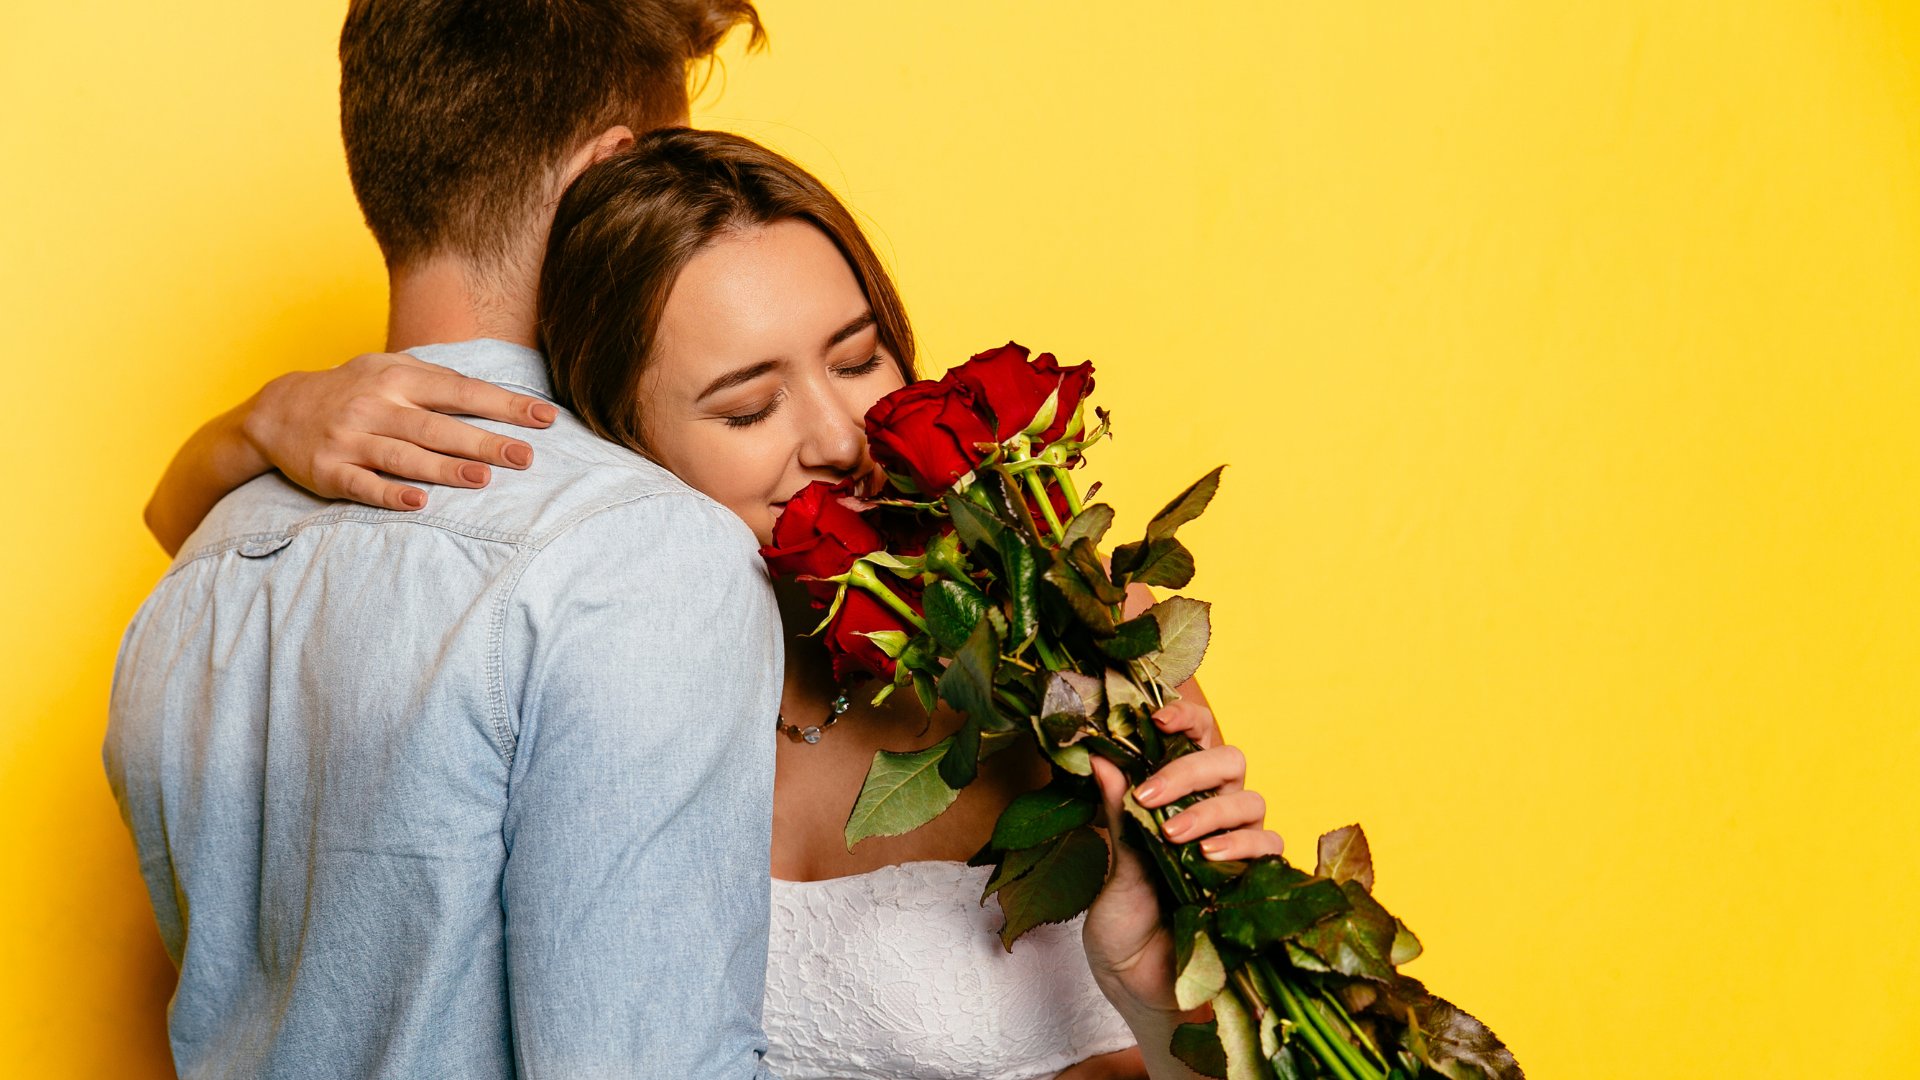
(834, 440)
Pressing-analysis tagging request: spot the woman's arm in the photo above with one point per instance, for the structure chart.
(335, 432)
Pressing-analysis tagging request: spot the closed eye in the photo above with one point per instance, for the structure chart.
(865, 367)
(749, 419)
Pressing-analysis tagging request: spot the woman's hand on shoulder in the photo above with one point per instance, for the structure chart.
(1130, 951)
(334, 432)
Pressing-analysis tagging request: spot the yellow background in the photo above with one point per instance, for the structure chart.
(1565, 360)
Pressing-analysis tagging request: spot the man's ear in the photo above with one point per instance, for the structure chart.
(601, 147)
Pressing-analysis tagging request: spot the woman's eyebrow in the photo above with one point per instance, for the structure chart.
(753, 371)
(860, 322)
(736, 377)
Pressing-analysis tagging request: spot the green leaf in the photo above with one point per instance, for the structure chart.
(1304, 960)
(1009, 501)
(900, 567)
(1061, 729)
(1060, 886)
(1238, 1037)
(1014, 865)
(1272, 1037)
(902, 792)
(1166, 563)
(891, 642)
(1086, 559)
(1023, 583)
(976, 527)
(1405, 946)
(953, 610)
(1450, 1041)
(1122, 692)
(923, 689)
(1198, 1048)
(1073, 588)
(1209, 874)
(1186, 506)
(1185, 626)
(1295, 1062)
(1345, 856)
(1070, 693)
(1201, 974)
(1357, 941)
(967, 684)
(1091, 523)
(1141, 816)
(992, 742)
(1272, 902)
(962, 763)
(1074, 759)
(1132, 639)
(1127, 558)
(1039, 816)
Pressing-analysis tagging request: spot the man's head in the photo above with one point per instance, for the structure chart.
(464, 119)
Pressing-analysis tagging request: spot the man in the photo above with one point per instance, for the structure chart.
(484, 790)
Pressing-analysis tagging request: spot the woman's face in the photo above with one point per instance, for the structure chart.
(766, 361)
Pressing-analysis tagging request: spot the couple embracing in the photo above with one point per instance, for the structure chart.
(486, 777)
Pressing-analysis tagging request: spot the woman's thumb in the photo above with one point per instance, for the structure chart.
(1126, 867)
(1113, 791)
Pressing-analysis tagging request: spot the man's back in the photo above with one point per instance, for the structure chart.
(423, 794)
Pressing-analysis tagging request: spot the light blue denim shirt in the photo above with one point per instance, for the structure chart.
(481, 790)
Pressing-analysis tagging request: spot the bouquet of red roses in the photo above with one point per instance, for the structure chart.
(977, 578)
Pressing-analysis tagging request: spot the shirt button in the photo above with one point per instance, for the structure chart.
(256, 549)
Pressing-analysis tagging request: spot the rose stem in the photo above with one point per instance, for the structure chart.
(1047, 655)
(1067, 488)
(1359, 1032)
(1046, 505)
(1332, 1050)
(862, 575)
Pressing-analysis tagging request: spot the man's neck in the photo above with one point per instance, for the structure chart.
(448, 299)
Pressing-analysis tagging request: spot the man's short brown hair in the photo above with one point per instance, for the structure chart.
(456, 112)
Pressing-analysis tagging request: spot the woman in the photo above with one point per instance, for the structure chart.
(708, 303)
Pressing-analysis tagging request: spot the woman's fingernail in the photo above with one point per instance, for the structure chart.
(413, 500)
(519, 455)
(473, 473)
(1146, 793)
(1175, 828)
(545, 413)
(1212, 845)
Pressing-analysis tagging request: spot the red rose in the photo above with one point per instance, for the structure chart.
(1014, 388)
(905, 530)
(820, 534)
(854, 654)
(930, 433)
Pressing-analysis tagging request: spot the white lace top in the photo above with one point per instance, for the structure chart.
(899, 973)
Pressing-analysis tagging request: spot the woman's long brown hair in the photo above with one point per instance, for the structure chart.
(627, 227)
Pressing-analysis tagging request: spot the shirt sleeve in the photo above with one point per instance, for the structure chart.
(642, 658)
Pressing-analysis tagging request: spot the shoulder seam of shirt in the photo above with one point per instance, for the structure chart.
(368, 514)
(505, 741)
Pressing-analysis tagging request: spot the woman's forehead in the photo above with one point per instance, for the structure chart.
(779, 292)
